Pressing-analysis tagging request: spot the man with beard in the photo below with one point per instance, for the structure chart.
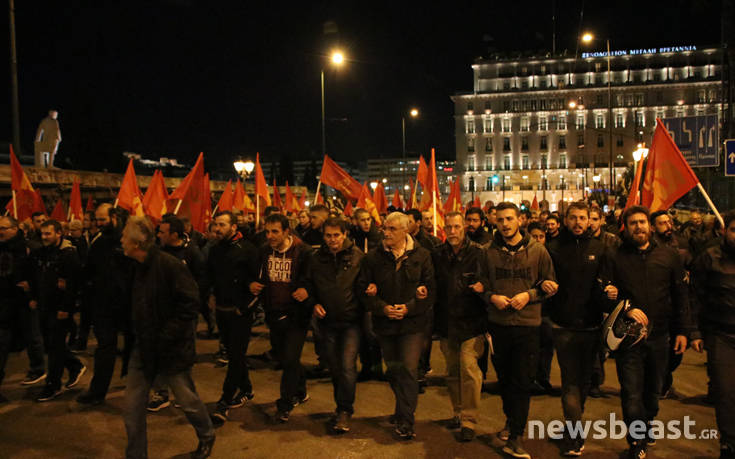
(402, 272)
(553, 224)
(281, 283)
(318, 213)
(231, 268)
(582, 268)
(334, 275)
(713, 277)
(652, 277)
(53, 291)
(474, 220)
(520, 278)
(164, 311)
(34, 238)
(461, 269)
(597, 231)
(109, 274)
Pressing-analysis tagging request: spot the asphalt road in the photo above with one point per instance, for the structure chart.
(58, 429)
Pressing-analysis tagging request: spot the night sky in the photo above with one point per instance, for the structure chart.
(175, 77)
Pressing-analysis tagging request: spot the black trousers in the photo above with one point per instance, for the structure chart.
(59, 356)
(546, 351)
(721, 362)
(402, 354)
(515, 361)
(235, 330)
(106, 329)
(287, 337)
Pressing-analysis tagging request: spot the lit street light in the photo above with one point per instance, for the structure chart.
(414, 112)
(244, 168)
(337, 59)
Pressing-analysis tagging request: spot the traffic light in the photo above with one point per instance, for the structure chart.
(496, 179)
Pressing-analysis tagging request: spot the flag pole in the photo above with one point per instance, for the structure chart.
(178, 205)
(116, 201)
(257, 212)
(711, 205)
(215, 209)
(433, 199)
(15, 207)
(316, 195)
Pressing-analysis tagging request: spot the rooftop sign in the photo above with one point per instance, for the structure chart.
(635, 52)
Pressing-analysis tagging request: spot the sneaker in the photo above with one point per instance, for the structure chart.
(504, 434)
(48, 393)
(219, 416)
(514, 447)
(405, 432)
(671, 394)
(221, 358)
(466, 434)
(75, 377)
(90, 399)
(204, 449)
(158, 402)
(574, 449)
(296, 401)
(33, 378)
(341, 422)
(240, 399)
(282, 416)
(637, 450)
(454, 423)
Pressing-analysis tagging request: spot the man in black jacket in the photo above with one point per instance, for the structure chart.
(365, 235)
(282, 286)
(652, 277)
(336, 288)
(230, 268)
(53, 291)
(461, 319)
(418, 233)
(165, 300)
(713, 277)
(475, 220)
(582, 267)
(403, 289)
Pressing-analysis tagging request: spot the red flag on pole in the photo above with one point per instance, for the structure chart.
(381, 201)
(534, 204)
(187, 199)
(75, 202)
(454, 200)
(90, 205)
(225, 200)
(21, 207)
(339, 179)
(302, 200)
(59, 213)
(129, 197)
(277, 196)
(292, 202)
(634, 194)
(476, 202)
(668, 175)
(38, 205)
(422, 174)
(156, 196)
(348, 209)
(207, 203)
(412, 202)
(397, 201)
(366, 202)
(261, 187)
(240, 200)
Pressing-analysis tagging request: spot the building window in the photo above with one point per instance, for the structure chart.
(598, 100)
(600, 140)
(470, 126)
(543, 123)
(701, 96)
(489, 144)
(506, 124)
(506, 105)
(487, 125)
(544, 143)
(489, 184)
(487, 105)
(640, 120)
(488, 162)
(562, 123)
(562, 142)
(471, 186)
(580, 122)
(506, 162)
(524, 143)
(620, 141)
(680, 112)
(660, 113)
(525, 124)
(562, 160)
(470, 144)
(639, 100)
(544, 161)
(506, 143)
(619, 120)
(471, 163)
(600, 121)
(580, 140)
(470, 107)
(524, 162)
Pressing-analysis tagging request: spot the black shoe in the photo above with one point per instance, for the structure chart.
(342, 422)
(219, 416)
(204, 449)
(574, 449)
(75, 377)
(514, 447)
(296, 401)
(48, 393)
(637, 450)
(158, 402)
(466, 434)
(33, 378)
(282, 416)
(405, 432)
(221, 358)
(670, 394)
(240, 399)
(90, 399)
(596, 392)
(454, 423)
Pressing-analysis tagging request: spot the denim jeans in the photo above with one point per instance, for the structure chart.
(721, 362)
(641, 371)
(59, 356)
(341, 346)
(235, 331)
(287, 337)
(136, 399)
(515, 361)
(33, 338)
(401, 354)
(464, 377)
(371, 358)
(576, 351)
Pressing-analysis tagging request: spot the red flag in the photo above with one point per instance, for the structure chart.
(634, 195)
(187, 200)
(412, 202)
(430, 200)
(476, 202)
(337, 178)
(277, 196)
(129, 197)
(366, 202)
(302, 200)
(534, 204)
(381, 201)
(38, 205)
(261, 187)
(225, 200)
(668, 175)
(75, 202)
(292, 202)
(348, 209)
(454, 200)
(207, 204)
(397, 201)
(90, 205)
(319, 199)
(59, 213)
(154, 201)
(422, 175)
(25, 196)
(240, 200)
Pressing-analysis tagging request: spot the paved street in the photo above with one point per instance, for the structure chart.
(58, 430)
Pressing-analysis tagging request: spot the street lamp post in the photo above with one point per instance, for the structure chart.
(337, 59)
(244, 168)
(414, 113)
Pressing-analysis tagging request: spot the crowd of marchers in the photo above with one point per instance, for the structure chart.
(502, 284)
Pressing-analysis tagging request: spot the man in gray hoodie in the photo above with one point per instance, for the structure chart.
(521, 276)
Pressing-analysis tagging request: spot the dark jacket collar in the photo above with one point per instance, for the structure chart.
(346, 247)
(499, 241)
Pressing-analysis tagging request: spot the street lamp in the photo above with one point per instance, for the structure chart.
(244, 168)
(414, 112)
(588, 38)
(337, 59)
